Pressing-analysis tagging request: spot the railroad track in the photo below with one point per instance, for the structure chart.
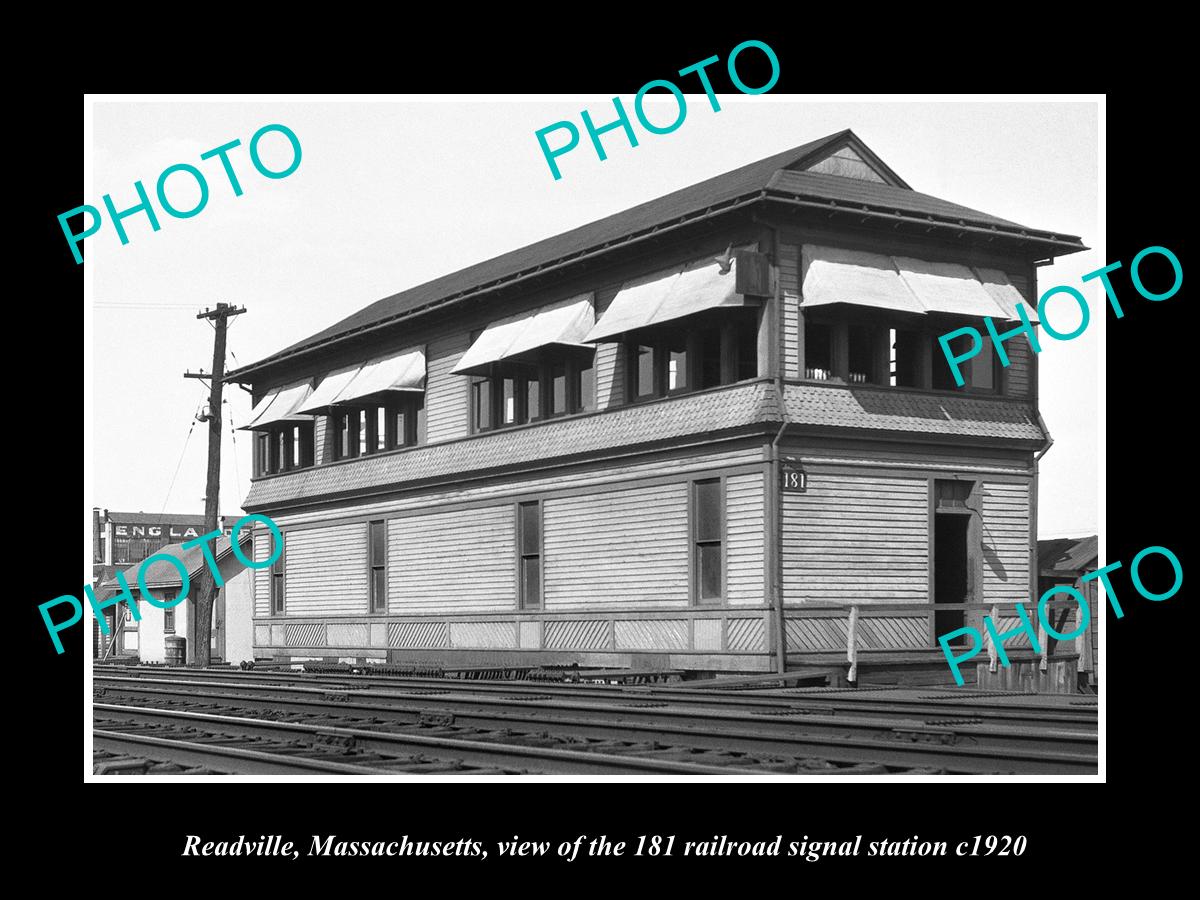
(954, 744)
(142, 739)
(1011, 709)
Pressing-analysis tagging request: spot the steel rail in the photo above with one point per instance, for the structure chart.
(1012, 712)
(960, 746)
(490, 754)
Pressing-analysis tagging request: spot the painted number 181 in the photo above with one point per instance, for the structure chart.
(653, 845)
(794, 480)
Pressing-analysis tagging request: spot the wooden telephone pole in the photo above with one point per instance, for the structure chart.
(204, 589)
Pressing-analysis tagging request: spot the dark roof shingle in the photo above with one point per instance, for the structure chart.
(703, 413)
(889, 410)
(1067, 556)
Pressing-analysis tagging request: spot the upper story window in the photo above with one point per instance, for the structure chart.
(845, 349)
(688, 328)
(283, 438)
(703, 351)
(363, 430)
(872, 318)
(532, 366)
(283, 448)
(373, 407)
(517, 394)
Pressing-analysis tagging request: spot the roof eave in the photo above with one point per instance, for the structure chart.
(1063, 243)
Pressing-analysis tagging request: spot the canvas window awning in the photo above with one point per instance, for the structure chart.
(280, 406)
(948, 288)
(518, 338)
(833, 275)
(400, 372)
(905, 284)
(668, 296)
(1005, 294)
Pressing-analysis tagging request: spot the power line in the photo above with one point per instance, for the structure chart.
(237, 474)
(167, 306)
(178, 465)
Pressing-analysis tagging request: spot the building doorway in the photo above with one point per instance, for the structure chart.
(952, 556)
(950, 572)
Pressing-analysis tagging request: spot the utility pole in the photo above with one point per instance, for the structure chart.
(204, 589)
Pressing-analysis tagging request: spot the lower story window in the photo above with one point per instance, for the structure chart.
(168, 621)
(529, 546)
(708, 532)
(277, 586)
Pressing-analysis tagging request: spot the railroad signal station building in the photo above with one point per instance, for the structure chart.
(713, 432)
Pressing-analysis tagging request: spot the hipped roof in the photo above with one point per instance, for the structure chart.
(772, 177)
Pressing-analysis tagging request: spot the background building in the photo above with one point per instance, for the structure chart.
(123, 539)
(1066, 561)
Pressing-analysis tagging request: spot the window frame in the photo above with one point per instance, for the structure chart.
(696, 575)
(922, 349)
(345, 422)
(373, 606)
(522, 555)
(542, 374)
(300, 440)
(277, 596)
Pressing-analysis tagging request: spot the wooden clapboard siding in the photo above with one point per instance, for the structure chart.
(584, 476)
(836, 450)
(446, 413)
(610, 374)
(628, 547)
(1005, 543)
(1020, 353)
(320, 427)
(846, 164)
(458, 561)
(325, 571)
(1020, 281)
(856, 538)
(744, 524)
(261, 581)
(789, 284)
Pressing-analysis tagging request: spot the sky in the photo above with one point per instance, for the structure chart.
(392, 193)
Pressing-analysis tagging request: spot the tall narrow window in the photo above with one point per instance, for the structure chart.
(558, 389)
(529, 544)
(862, 344)
(379, 414)
(708, 528)
(678, 372)
(508, 401)
(746, 347)
(262, 460)
(906, 358)
(377, 535)
(277, 585)
(641, 371)
(481, 403)
(168, 620)
(708, 366)
(818, 351)
(533, 397)
(587, 387)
